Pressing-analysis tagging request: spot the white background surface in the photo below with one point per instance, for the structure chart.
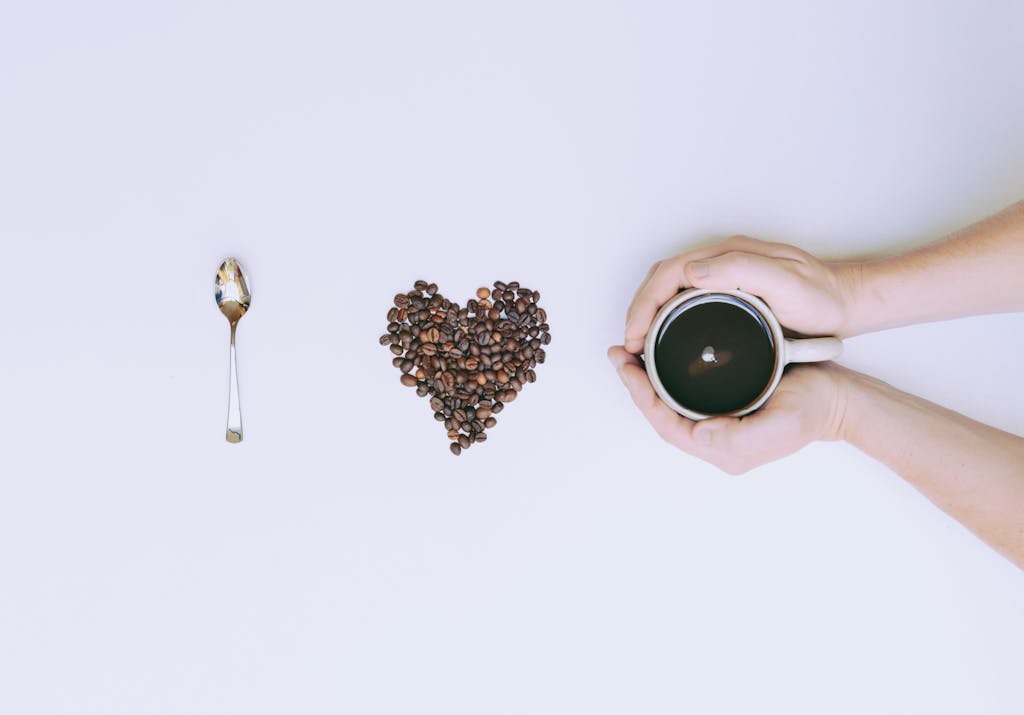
(340, 559)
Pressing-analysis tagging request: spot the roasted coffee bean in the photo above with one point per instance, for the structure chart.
(469, 361)
(448, 380)
(456, 448)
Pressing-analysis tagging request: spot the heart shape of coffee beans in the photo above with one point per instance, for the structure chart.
(469, 361)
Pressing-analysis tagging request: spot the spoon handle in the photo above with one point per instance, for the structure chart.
(234, 431)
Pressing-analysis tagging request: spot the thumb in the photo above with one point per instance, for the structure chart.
(766, 432)
(751, 272)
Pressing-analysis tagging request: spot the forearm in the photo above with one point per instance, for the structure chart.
(976, 270)
(973, 472)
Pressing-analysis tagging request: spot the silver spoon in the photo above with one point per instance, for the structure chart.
(233, 299)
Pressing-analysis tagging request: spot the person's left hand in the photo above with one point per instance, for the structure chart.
(807, 406)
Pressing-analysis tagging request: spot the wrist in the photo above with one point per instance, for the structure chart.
(838, 418)
(851, 279)
(858, 395)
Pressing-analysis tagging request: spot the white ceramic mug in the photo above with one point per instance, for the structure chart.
(787, 350)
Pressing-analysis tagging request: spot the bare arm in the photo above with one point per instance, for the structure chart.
(973, 472)
(976, 270)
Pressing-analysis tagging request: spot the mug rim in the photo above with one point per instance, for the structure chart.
(688, 295)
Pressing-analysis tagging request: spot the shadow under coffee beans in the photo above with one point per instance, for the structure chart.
(715, 357)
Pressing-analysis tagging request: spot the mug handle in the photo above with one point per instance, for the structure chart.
(813, 349)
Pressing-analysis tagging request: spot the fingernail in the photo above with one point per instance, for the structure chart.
(699, 269)
(704, 435)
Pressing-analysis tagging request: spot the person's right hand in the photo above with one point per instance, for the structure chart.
(807, 295)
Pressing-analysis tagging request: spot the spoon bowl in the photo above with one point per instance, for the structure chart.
(232, 290)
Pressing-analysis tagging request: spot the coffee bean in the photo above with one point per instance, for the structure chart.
(456, 448)
(469, 361)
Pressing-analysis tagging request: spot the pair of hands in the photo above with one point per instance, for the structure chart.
(806, 295)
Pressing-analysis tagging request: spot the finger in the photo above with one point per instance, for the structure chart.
(751, 272)
(666, 280)
(670, 426)
(643, 284)
(762, 436)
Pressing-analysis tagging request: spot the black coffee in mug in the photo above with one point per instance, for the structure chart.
(715, 356)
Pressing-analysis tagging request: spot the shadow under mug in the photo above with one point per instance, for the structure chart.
(786, 350)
